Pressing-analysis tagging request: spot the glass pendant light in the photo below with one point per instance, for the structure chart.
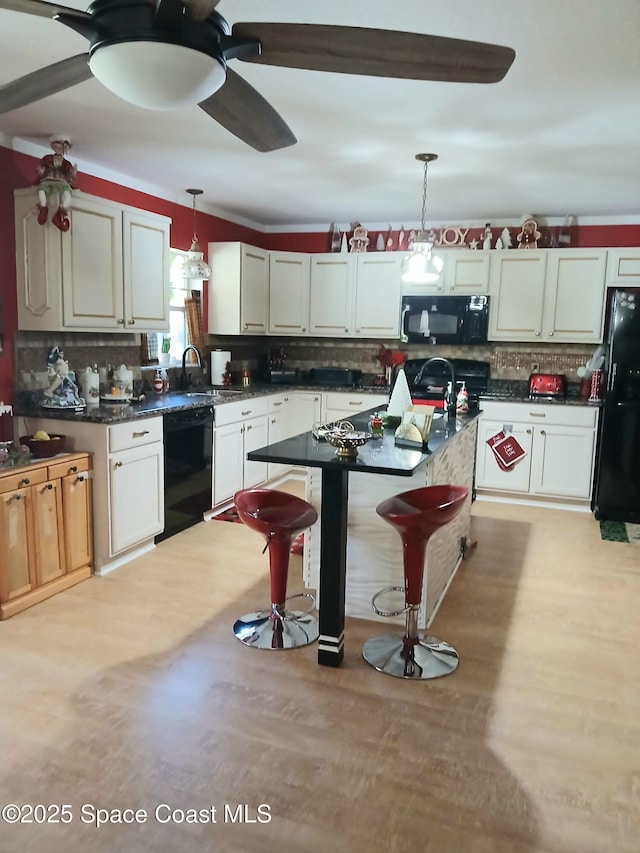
(193, 264)
(421, 267)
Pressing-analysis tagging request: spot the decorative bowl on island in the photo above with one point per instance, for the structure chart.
(346, 440)
(44, 447)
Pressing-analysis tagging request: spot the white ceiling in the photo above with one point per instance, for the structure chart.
(559, 135)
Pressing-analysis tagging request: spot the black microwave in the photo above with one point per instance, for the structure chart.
(444, 319)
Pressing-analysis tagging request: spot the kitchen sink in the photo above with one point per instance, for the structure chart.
(227, 392)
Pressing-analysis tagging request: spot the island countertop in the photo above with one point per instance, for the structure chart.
(377, 456)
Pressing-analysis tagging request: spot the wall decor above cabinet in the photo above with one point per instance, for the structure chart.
(109, 272)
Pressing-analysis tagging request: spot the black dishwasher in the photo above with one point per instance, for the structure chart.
(188, 445)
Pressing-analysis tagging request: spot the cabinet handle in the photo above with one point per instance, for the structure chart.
(16, 497)
(304, 330)
(286, 399)
(131, 322)
(81, 478)
(537, 415)
(537, 334)
(451, 287)
(357, 331)
(140, 434)
(543, 432)
(550, 334)
(246, 325)
(248, 412)
(118, 465)
(276, 404)
(355, 403)
(346, 330)
(315, 399)
(73, 469)
(24, 482)
(48, 487)
(273, 420)
(249, 427)
(528, 432)
(120, 322)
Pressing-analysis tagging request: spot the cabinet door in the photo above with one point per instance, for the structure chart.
(136, 495)
(254, 290)
(343, 406)
(378, 286)
(465, 272)
(256, 434)
(331, 296)
(563, 461)
(307, 411)
(623, 267)
(48, 530)
(574, 298)
(17, 572)
(517, 287)
(277, 432)
(288, 293)
(77, 515)
(228, 461)
(146, 272)
(489, 475)
(426, 288)
(38, 268)
(92, 266)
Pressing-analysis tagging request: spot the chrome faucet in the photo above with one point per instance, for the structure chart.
(450, 395)
(185, 378)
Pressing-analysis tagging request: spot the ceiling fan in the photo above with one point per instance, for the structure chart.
(168, 53)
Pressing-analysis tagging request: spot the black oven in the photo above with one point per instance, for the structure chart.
(445, 319)
(188, 446)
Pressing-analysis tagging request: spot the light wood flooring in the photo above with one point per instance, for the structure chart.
(130, 691)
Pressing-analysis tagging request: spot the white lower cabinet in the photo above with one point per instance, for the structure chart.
(239, 428)
(128, 483)
(307, 410)
(281, 426)
(342, 405)
(559, 441)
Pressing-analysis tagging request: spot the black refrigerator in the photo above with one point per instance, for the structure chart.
(616, 494)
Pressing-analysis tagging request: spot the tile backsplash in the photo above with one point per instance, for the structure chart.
(507, 360)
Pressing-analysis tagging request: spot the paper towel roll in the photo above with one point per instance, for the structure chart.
(219, 360)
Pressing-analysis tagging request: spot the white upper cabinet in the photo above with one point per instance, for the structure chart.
(377, 298)
(623, 268)
(109, 272)
(289, 284)
(464, 273)
(331, 299)
(555, 296)
(238, 289)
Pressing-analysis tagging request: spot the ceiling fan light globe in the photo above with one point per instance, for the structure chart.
(421, 266)
(157, 75)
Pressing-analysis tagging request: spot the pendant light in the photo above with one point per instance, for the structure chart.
(193, 263)
(421, 267)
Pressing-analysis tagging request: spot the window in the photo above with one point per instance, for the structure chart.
(179, 290)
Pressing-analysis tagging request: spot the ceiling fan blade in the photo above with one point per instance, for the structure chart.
(44, 82)
(376, 53)
(201, 9)
(245, 113)
(39, 7)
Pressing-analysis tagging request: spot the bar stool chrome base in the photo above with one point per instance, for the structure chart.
(278, 628)
(419, 657)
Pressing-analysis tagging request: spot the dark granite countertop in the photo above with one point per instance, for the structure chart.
(377, 456)
(161, 404)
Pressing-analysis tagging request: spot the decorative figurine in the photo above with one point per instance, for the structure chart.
(56, 177)
(62, 392)
(487, 236)
(529, 236)
(359, 241)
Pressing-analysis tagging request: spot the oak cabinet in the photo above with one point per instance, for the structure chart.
(45, 530)
(550, 296)
(109, 272)
(238, 289)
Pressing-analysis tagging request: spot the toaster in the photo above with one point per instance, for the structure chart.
(547, 385)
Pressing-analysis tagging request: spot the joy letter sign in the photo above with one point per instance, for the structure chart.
(506, 449)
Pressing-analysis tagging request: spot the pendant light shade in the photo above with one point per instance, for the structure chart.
(421, 267)
(193, 264)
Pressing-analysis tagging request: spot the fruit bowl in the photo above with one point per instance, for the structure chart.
(44, 447)
(346, 440)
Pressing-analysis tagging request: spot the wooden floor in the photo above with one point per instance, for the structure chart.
(130, 691)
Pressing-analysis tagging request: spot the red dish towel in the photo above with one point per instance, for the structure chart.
(506, 450)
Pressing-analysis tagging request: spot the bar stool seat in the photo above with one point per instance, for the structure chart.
(416, 515)
(279, 517)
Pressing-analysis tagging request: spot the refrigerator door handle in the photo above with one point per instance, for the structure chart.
(612, 377)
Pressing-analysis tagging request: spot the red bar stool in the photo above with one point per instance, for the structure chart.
(279, 517)
(416, 515)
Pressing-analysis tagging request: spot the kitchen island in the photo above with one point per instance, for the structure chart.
(350, 554)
